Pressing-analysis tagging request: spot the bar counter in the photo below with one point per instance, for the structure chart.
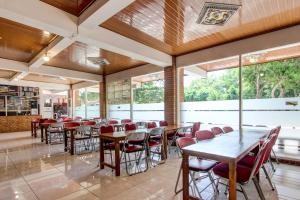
(16, 123)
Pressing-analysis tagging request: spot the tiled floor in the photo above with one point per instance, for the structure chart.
(31, 170)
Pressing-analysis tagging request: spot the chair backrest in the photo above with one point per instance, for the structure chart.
(125, 121)
(107, 129)
(141, 124)
(151, 125)
(184, 141)
(216, 130)
(84, 130)
(196, 127)
(89, 123)
(204, 135)
(67, 119)
(42, 120)
(71, 124)
(260, 156)
(272, 139)
(137, 136)
(163, 123)
(112, 121)
(157, 132)
(130, 127)
(227, 129)
(57, 125)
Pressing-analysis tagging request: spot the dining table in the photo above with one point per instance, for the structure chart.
(117, 137)
(34, 127)
(228, 148)
(71, 130)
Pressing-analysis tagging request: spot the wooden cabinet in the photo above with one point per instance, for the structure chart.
(16, 123)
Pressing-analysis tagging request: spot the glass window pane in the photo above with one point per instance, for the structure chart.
(79, 103)
(93, 106)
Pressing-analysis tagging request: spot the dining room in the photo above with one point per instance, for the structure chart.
(149, 99)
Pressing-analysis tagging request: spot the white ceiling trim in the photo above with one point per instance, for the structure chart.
(18, 76)
(80, 85)
(54, 48)
(265, 41)
(111, 41)
(35, 84)
(40, 15)
(6, 64)
(101, 11)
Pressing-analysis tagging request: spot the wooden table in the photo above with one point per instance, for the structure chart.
(116, 137)
(34, 126)
(225, 148)
(44, 127)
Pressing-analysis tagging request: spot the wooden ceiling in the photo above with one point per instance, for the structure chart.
(170, 25)
(7, 74)
(254, 58)
(21, 43)
(49, 79)
(75, 58)
(74, 7)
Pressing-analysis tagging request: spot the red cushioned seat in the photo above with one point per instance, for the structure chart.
(201, 165)
(185, 134)
(132, 149)
(153, 143)
(247, 161)
(242, 172)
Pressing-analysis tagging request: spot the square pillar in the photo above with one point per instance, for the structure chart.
(170, 96)
(102, 88)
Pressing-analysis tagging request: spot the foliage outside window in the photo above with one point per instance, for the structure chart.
(149, 92)
(267, 80)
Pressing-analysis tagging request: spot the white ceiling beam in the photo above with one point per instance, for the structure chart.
(17, 66)
(195, 71)
(66, 73)
(100, 11)
(250, 45)
(35, 84)
(84, 84)
(18, 76)
(111, 41)
(54, 48)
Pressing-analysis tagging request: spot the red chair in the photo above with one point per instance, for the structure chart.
(156, 144)
(108, 145)
(163, 123)
(249, 160)
(185, 133)
(130, 127)
(204, 135)
(71, 124)
(227, 129)
(89, 123)
(67, 119)
(245, 174)
(112, 122)
(196, 165)
(216, 130)
(151, 125)
(125, 121)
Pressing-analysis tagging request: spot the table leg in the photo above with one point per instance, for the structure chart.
(101, 151)
(165, 149)
(117, 158)
(42, 134)
(46, 135)
(185, 176)
(232, 180)
(72, 142)
(65, 140)
(32, 129)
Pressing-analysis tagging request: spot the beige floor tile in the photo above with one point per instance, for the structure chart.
(80, 195)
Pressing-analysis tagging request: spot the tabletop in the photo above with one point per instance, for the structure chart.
(226, 146)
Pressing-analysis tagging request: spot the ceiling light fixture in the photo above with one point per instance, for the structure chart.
(46, 57)
(46, 33)
(216, 13)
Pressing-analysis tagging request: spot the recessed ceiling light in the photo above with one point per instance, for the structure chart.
(46, 33)
(0, 38)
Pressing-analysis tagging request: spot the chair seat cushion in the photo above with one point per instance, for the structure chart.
(184, 134)
(131, 149)
(153, 143)
(242, 172)
(156, 137)
(201, 165)
(247, 161)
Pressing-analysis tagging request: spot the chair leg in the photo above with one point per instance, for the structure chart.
(177, 181)
(258, 188)
(244, 192)
(195, 184)
(212, 182)
(268, 177)
(272, 165)
(275, 156)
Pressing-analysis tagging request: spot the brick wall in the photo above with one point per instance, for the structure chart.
(170, 93)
